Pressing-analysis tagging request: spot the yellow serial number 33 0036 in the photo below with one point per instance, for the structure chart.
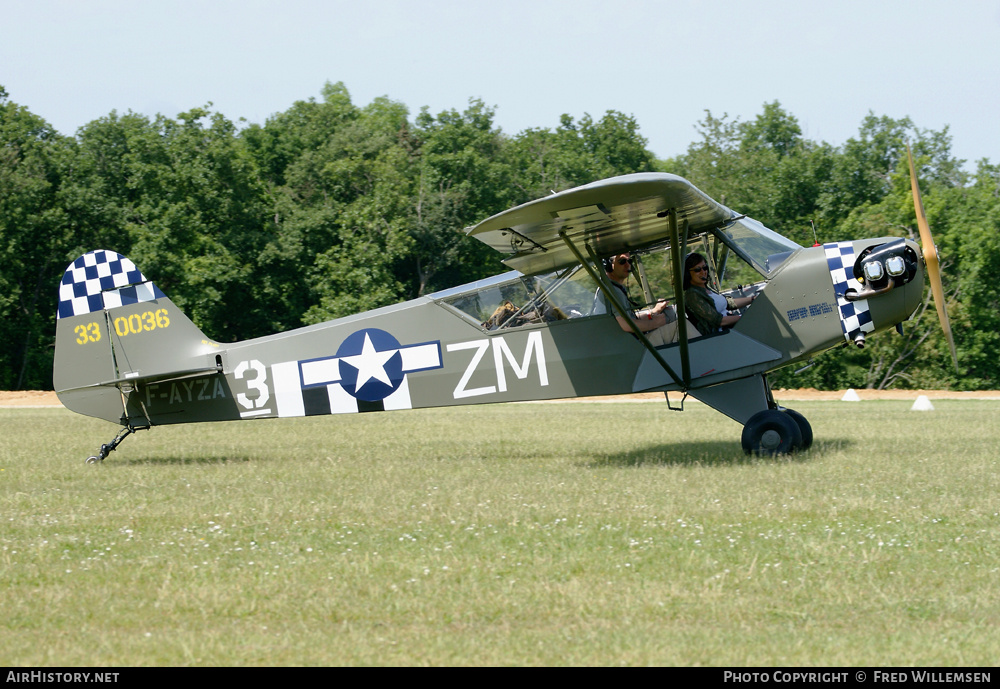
(125, 325)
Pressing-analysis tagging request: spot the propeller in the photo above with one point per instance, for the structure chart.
(931, 258)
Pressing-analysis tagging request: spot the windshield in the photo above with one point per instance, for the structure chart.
(763, 248)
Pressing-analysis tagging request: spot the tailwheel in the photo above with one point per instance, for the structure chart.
(105, 450)
(108, 448)
(771, 432)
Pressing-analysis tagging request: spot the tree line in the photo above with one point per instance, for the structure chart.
(330, 208)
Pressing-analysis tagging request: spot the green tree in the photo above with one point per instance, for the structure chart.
(544, 161)
(187, 196)
(340, 213)
(614, 145)
(576, 153)
(306, 126)
(35, 233)
(966, 226)
(863, 169)
(461, 178)
(763, 168)
(328, 209)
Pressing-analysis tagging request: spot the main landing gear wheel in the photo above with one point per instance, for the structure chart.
(804, 428)
(771, 432)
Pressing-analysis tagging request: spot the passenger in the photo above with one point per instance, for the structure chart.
(707, 309)
(658, 323)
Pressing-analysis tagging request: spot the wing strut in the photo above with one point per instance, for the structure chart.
(677, 264)
(609, 297)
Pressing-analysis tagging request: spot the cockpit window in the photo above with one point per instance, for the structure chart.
(513, 300)
(763, 248)
(738, 254)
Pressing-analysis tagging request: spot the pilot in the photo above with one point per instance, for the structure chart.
(658, 323)
(707, 309)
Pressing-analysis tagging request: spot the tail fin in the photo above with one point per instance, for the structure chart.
(115, 328)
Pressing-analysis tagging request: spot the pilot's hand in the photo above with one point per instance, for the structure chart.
(661, 306)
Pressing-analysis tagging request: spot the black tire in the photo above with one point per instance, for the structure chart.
(771, 432)
(804, 428)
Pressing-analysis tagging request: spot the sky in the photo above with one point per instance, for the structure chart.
(664, 62)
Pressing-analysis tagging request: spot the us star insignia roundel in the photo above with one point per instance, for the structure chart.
(371, 365)
(368, 373)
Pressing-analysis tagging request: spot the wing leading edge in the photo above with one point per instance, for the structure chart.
(610, 216)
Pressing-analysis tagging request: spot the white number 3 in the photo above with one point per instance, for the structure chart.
(258, 383)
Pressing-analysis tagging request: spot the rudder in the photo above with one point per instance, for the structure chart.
(115, 328)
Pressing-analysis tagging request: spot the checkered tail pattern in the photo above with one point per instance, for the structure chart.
(102, 280)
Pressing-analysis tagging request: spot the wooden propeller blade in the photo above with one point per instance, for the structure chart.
(931, 258)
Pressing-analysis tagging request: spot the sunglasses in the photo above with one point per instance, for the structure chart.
(624, 261)
(700, 269)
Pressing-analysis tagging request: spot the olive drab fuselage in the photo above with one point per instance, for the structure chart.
(126, 353)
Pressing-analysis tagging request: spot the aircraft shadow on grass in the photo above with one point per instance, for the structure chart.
(707, 454)
(199, 460)
(704, 454)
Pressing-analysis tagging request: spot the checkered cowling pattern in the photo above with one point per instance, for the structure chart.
(102, 280)
(854, 315)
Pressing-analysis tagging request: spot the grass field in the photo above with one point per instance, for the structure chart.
(585, 534)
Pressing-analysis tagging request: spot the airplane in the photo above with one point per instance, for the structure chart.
(126, 353)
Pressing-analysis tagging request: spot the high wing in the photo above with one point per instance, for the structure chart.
(610, 216)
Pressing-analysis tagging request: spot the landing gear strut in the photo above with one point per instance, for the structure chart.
(108, 448)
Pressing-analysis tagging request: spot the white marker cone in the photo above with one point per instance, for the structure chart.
(850, 396)
(923, 403)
